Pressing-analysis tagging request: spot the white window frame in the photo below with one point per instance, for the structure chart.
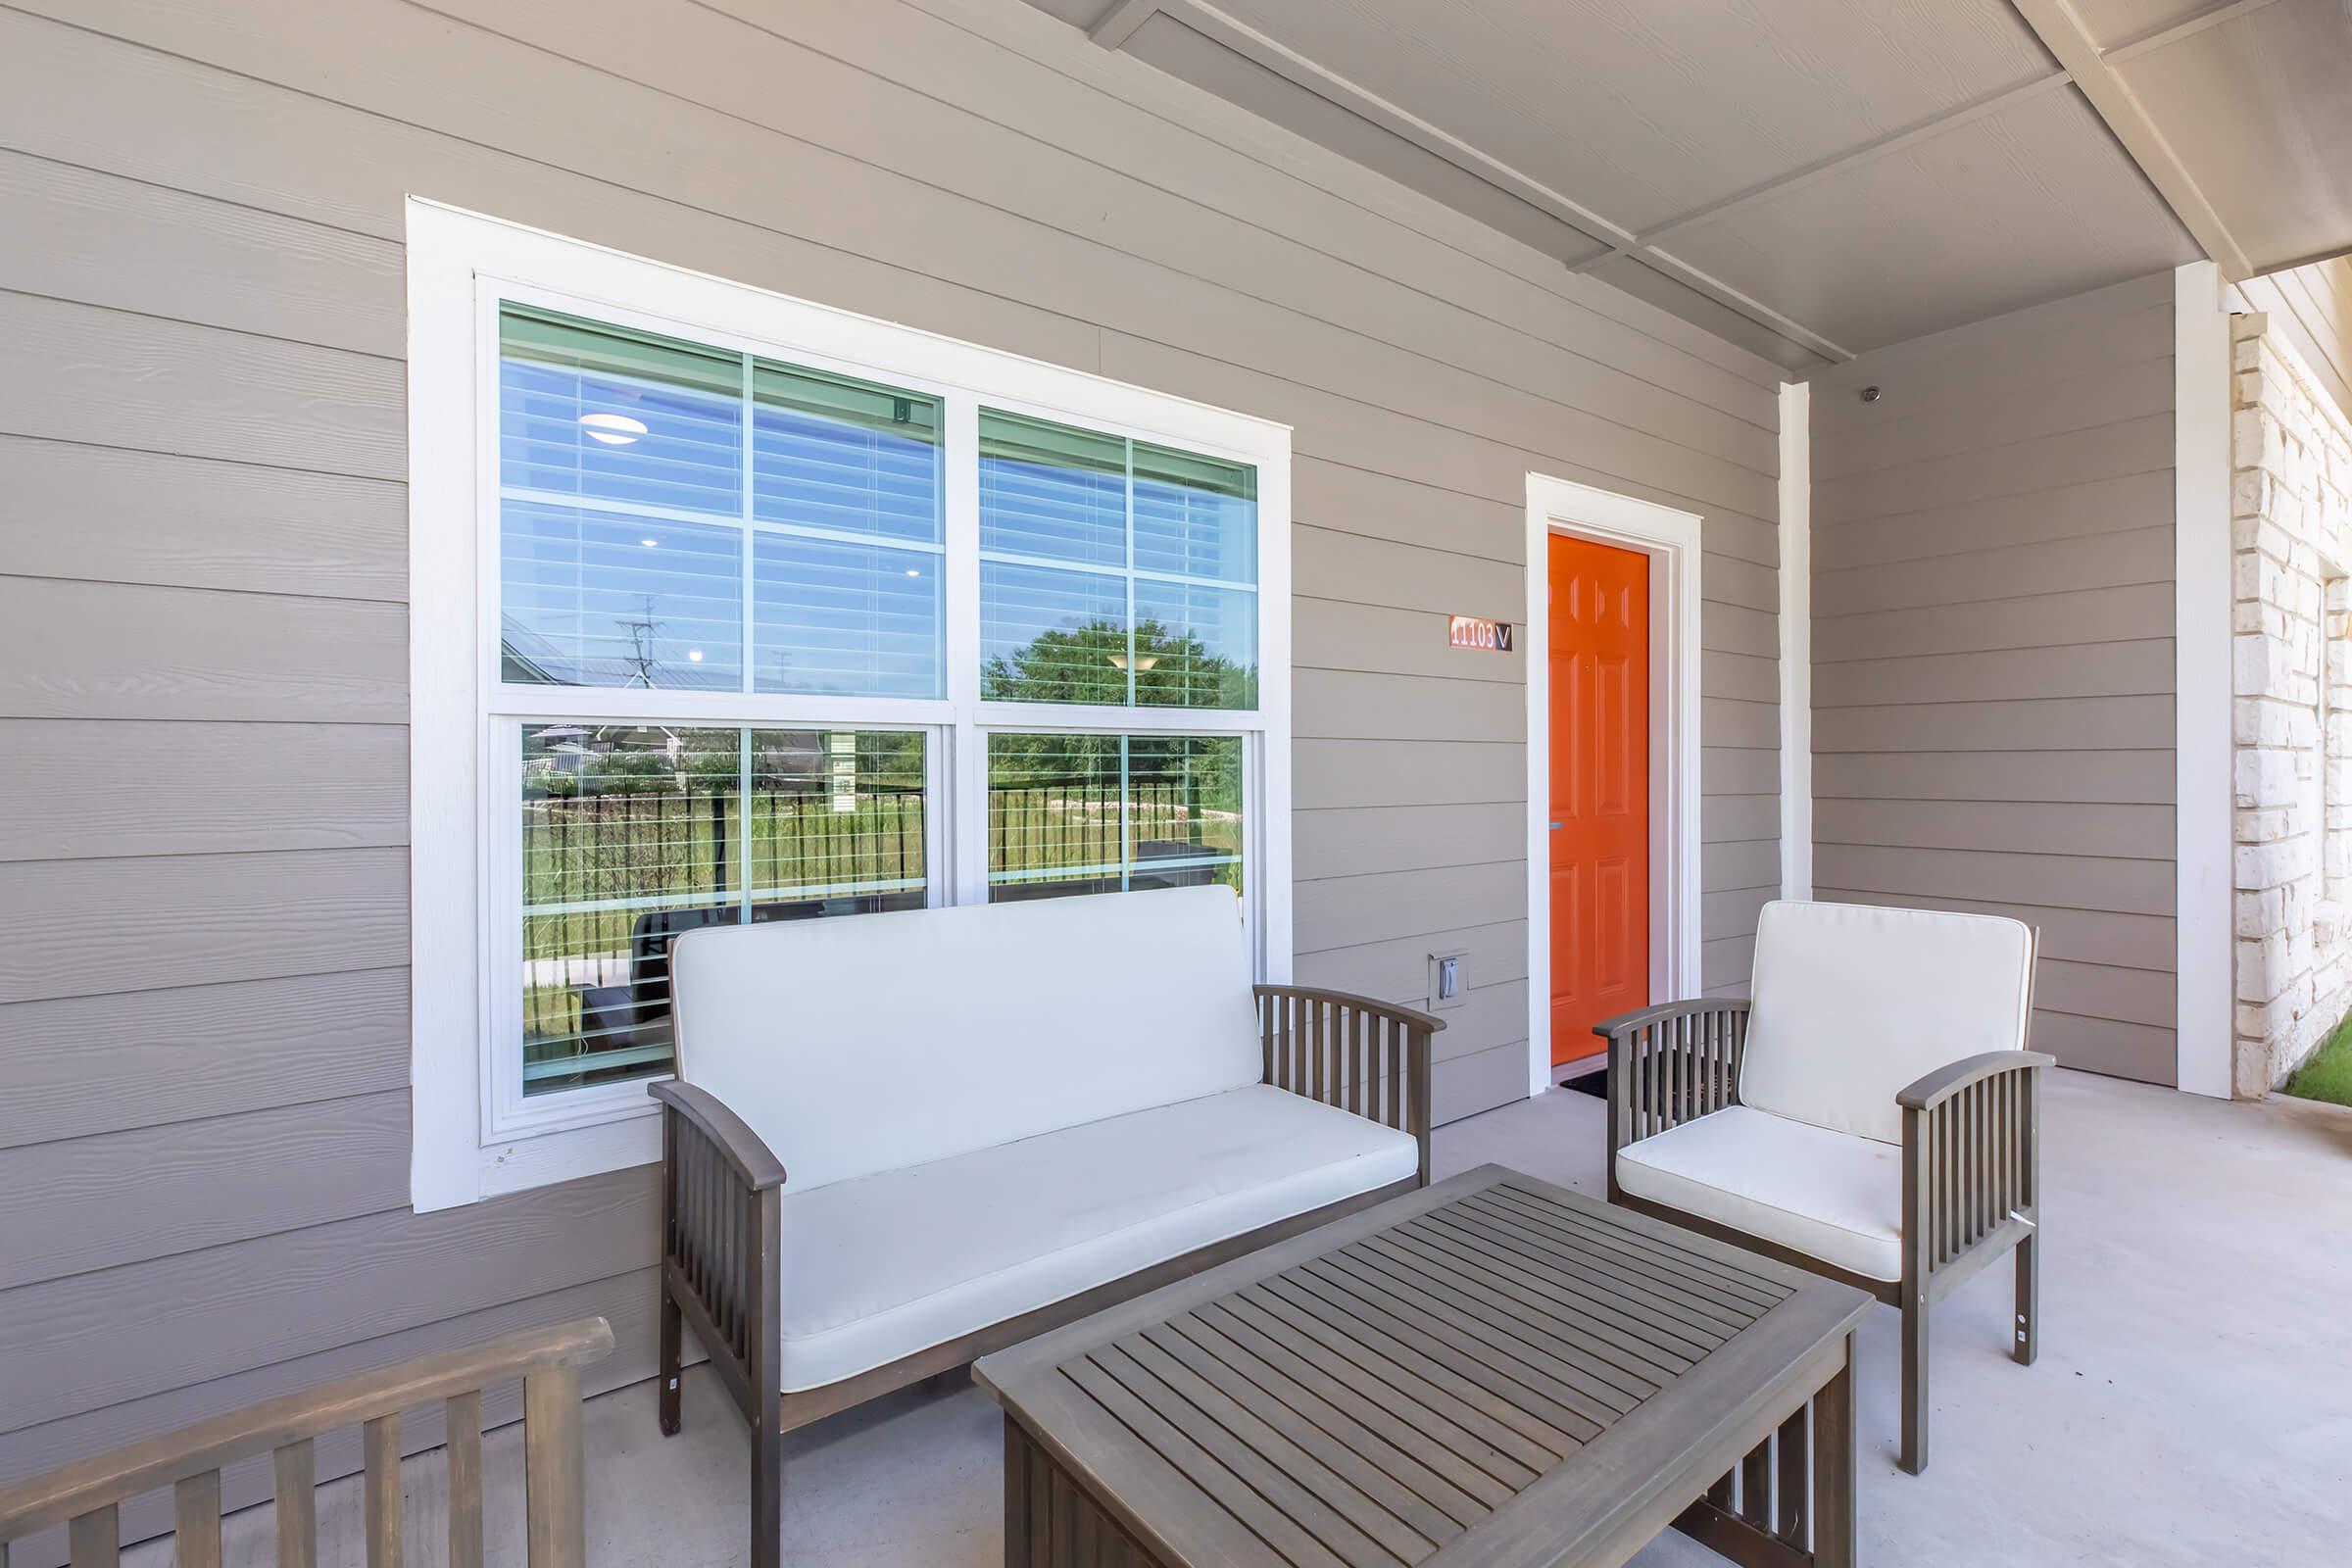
(475, 1134)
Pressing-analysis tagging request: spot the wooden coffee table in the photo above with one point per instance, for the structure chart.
(1492, 1373)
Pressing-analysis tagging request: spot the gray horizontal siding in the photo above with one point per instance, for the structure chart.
(2312, 307)
(89, 1204)
(74, 1066)
(76, 928)
(113, 515)
(203, 981)
(82, 788)
(1993, 643)
(199, 653)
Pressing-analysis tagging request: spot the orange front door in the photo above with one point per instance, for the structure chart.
(1600, 820)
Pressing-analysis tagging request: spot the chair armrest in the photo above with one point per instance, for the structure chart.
(741, 1148)
(1934, 1087)
(1370, 1007)
(1971, 1161)
(1659, 1011)
(1671, 1064)
(1358, 1054)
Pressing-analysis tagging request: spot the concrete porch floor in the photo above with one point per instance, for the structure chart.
(2192, 1403)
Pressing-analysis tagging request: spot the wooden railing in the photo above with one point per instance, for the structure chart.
(1362, 1055)
(86, 1496)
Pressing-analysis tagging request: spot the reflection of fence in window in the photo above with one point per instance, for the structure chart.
(595, 866)
(1085, 834)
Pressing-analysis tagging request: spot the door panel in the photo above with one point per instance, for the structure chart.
(1599, 836)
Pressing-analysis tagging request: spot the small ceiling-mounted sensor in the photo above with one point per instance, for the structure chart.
(1870, 393)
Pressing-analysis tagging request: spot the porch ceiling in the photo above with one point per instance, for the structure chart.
(1815, 179)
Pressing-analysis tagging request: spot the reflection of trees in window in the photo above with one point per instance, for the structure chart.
(1094, 663)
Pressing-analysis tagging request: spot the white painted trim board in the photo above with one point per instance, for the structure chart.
(1671, 540)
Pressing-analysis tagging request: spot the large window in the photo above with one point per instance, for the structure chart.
(732, 608)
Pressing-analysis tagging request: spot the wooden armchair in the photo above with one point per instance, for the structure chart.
(88, 1495)
(1850, 1119)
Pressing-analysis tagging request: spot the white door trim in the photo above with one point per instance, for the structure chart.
(1671, 540)
(2204, 751)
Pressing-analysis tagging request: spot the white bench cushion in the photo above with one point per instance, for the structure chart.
(1851, 1003)
(1829, 1196)
(867, 1043)
(888, 1265)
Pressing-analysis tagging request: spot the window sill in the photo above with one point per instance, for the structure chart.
(570, 1154)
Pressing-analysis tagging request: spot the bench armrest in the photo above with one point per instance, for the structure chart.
(735, 1143)
(722, 1248)
(1935, 1088)
(1671, 1064)
(1356, 1053)
(1971, 1161)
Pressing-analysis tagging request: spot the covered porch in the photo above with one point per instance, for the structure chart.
(2190, 1407)
(492, 487)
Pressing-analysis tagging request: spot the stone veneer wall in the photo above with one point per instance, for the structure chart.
(2291, 515)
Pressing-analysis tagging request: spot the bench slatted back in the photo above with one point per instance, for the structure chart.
(87, 1497)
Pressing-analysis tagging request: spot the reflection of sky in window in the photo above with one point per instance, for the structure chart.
(1204, 528)
(690, 457)
(844, 619)
(1054, 491)
(591, 599)
(843, 475)
(633, 598)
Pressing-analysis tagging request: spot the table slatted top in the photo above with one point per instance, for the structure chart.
(1371, 1393)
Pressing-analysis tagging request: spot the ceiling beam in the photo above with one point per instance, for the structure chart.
(1124, 18)
(1730, 299)
(1254, 46)
(2063, 32)
(2173, 32)
(1123, 21)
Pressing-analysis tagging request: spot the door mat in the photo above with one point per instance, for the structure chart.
(1591, 1080)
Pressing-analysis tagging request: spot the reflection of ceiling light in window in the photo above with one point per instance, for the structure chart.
(694, 655)
(649, 544)
(1143, 661)
(913, 572)
(612, 430)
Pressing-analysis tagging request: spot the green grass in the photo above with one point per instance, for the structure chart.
(2327, 1074)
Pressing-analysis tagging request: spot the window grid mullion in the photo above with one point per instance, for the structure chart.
(1127, 535)
(1015, 558)
(749, 562)
(742, 826)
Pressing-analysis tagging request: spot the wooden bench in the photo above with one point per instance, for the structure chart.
(88, 1495)
(996, 1119)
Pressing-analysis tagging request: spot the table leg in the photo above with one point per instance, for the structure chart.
(1836, 1542)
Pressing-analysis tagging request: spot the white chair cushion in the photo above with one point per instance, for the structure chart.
(885, 1266)
(1851, 1003)
(1829, 1196)
(875, 1041)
